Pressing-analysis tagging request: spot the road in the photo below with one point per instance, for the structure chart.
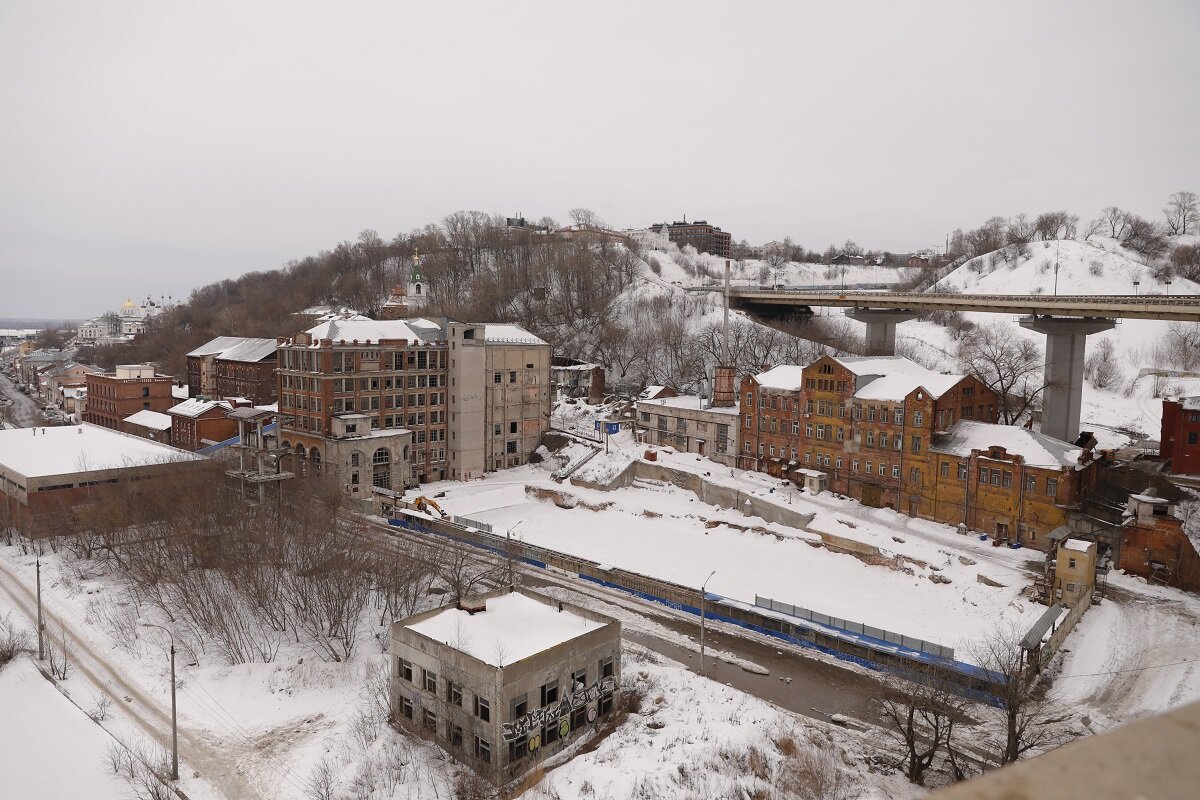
(22, 409)
(151, 714)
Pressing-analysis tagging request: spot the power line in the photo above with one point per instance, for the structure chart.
(1131, 669)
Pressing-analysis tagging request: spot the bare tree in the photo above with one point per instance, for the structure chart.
(1185, 261)
(463, 571)
(1182, 213)
(919, 719)
(1114, 221)
(1101, 367)
(1030, 720)
(1008, 364)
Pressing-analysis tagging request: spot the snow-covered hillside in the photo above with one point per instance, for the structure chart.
(1098, 266)
(1102, 266)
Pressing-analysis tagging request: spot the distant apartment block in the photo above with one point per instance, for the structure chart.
(113, 396)
(234, 366)
(699, 234)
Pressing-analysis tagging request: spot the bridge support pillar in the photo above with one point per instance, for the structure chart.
(881, 327)
(1066, 340)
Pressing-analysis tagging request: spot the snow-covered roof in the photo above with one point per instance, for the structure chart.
(786, 377)
(1078, 545)
(1037, 449)
(39, 452)
(179, 392)
(1149, 498)
(236, 348)
(686, 401)
(512, 627)
(650, 392)
(508, 333)
(74, 391)
(150, 419)
(195, 407)
(900, 385)
(1190, 403)
(879, 365)
(372, 330)
(575, 368)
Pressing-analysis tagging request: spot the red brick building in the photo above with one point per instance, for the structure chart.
(1154, 545)
(1180, 436)
(769, 429)
(197, 423)
(234, 366)
(113, 396)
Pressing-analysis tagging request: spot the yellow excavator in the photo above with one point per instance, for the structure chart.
(424, 504)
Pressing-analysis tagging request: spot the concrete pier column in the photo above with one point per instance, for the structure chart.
(881, 327)
(1066, 340)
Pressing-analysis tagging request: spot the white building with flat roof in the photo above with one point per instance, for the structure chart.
(690, 424)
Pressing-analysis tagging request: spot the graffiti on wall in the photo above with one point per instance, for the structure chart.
(549, 714)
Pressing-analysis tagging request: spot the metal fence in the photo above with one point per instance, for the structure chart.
(467, 522)
(855, 627)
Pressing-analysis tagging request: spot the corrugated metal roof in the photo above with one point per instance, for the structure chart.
(236, 348)
(1033, 638)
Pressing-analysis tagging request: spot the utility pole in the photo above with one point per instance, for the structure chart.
(702, 593)
(174, 719)
(41, 627)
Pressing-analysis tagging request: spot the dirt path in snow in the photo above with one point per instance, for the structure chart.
(1137, 655)
(151, 714)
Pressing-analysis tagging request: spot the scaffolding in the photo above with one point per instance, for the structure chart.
(259, 456)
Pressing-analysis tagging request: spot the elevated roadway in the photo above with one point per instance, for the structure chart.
(1065, 320)
(1178, 308)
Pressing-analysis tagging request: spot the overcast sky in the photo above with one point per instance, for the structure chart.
(152, 147)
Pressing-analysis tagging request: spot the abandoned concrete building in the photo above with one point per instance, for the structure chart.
(504, 680)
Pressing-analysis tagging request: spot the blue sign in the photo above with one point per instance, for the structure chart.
(597, 426)
(612, 427)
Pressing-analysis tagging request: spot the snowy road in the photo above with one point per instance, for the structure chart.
(1135, 654)
(104, 676)
(22, 409)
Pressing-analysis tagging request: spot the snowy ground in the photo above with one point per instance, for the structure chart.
(1135, 654)
(284, 729)
(41, 729)
(666, 532)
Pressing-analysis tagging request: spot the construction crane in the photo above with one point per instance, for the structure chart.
(424, 504)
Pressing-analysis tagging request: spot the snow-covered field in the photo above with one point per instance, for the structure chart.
(665, 531)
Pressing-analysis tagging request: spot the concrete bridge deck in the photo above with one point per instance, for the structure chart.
(1182, 308)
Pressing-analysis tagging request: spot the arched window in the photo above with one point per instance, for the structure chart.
(315, 457)
(300, 452)
(418, 288)
(382, 456)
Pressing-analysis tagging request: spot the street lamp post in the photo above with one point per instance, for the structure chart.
(508, 547)
(174, 719)
(702, 594)
(1135, 289)
(1168, 282)
(41, 627)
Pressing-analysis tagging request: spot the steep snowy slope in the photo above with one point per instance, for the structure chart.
(1094, 267)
